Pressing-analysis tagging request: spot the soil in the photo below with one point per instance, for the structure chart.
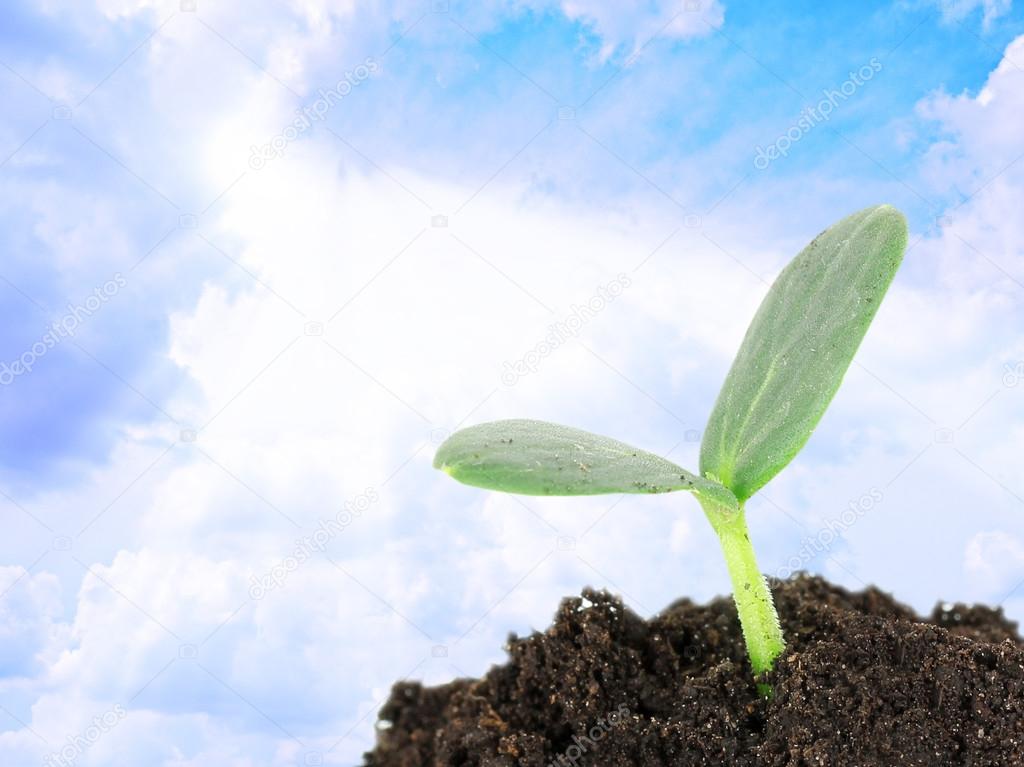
(863, 681)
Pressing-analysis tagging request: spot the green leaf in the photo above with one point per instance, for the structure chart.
(540, 458)
(798, 348)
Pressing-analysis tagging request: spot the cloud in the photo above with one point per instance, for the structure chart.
(635, 25)
(995, 561)
(958, 10)
(31, 613)
(976, 146)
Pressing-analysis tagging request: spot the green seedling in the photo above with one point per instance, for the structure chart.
(789, 366)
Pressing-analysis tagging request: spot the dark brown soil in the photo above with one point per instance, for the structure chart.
(864, 681)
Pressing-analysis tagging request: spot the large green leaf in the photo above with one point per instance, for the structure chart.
(540, 458)
(798, 348)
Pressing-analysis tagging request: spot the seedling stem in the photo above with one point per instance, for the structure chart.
(758, 618)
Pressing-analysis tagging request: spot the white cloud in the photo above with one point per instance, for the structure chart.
(958, 10)
(31, 613)
(634, 25)
(977, 143)
(994, 561)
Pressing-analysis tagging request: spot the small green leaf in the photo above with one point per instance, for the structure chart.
(798, 348)
(540, 458)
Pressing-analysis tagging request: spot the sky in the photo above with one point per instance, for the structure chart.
(257, 260)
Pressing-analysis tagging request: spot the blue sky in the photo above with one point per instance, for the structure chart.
(259, 349)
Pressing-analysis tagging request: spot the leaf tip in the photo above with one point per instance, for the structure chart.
(890, 215)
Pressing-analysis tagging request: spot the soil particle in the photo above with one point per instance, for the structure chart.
(863, 682)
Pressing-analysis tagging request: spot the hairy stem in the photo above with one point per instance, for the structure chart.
(758, 618)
